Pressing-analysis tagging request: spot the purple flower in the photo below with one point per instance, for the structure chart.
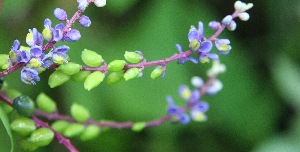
(226, 20)
(214, 25)
(60, 14)
(188, 95)
(34, 38)
(29, 76)
(84, 21)
(49, 33)
(175, 113)
(37, 58)
(223, 46)
(196, 36)
(59, 54)
(72, 36)
(17, 55)
(198, 111)
(184, 59)
(203, 53)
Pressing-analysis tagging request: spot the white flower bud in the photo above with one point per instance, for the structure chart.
(232, 26)
(238, 5)
(100, 3)
(197, 81)
(244, 16)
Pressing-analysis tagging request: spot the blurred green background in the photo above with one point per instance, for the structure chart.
(257, 111)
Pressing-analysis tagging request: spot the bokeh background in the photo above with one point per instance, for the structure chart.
(257, 111)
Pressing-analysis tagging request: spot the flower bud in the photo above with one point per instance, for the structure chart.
(45, 103)
(157, 72)
(232, 26)
(226, 20)
(214, 25)
(57, 78)
(215, 87)
(60, 14)
(93, 80)
(72, 36)
(24, 105)
(60, 125)
(80, 76)
(100, 3)
(73, 130)
(116, 65)
(197, 81)
(84, 21)
(114, 77)
(42, 136)
(23, 126)
(138, 126)
(69, 68)
(90, 132)
(79, 113)
(131, 73)
(244, 16)
(91, 58)
(132, 57)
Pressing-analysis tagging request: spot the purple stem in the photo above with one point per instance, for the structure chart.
(61, 139)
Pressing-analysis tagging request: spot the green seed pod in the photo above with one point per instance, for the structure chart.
(138, 126)
(114, 77)
(90, 132)
(93, 80)
(73, 130)
(116, 65)
(79, 113)
(91, 58)
(80, 76)
(24, 105)
(3, 61)
(132, 57)
(57, 78)
(42, 136)
(69, 68)
(157, 72)
(45, 103)
(60, 125)
(131, 73)
(23, 126)
(28, 145)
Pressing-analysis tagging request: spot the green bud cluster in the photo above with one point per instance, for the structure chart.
(131, 73)
(157, 72)
(57, 78)
(132, 57)
(93, 80)
(116, 65)
(91, 58)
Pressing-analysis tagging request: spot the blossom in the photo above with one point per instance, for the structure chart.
(72, 35)
(184, 59)
(175, 113)
(34, 38)
(29, 76)
(196, 36)
(223, 46)
(197, 112)
(84, 21)
(59, 54)
(203, 53)
(17, 55)
(50, 33)
(186, 94)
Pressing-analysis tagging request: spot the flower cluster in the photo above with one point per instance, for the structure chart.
(34, 58)
(83, 4)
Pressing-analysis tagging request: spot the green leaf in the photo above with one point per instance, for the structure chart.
(6, 124)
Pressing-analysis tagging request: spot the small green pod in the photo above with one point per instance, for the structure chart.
(157, 72)
(131, 73)
(80, 76)
(28, 145)
(79, 113)
(57, 78)
(23, 126)
(60, 125)
(45, 103)
(90, 132)
(138, 126)
(93, 80)
(3, 61)
(114, 77)
(42, 136)
(132, 57)
(73, 130)
(116, 65)
(24, 105)
(91, 58)
(69, 68)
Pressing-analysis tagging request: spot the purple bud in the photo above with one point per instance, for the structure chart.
(82, 4)
(214, 25)
(226, 21)
(60, 14)
(72, 36)
(84, 21)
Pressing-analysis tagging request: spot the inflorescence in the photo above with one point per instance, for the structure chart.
(36, 58)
